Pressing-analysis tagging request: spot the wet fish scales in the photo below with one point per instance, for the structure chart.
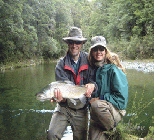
(67, 89)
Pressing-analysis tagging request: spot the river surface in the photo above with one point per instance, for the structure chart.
(23, 117)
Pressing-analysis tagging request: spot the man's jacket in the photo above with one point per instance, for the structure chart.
(65, 71)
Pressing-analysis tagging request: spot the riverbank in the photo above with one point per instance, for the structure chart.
(21, 64)
(139, 65)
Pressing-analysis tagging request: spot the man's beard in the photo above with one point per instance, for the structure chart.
(74, 54)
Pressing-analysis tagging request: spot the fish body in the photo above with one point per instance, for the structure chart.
(67, 88)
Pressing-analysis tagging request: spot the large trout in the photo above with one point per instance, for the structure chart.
(67, 88)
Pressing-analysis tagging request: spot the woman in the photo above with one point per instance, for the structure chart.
(109, 103)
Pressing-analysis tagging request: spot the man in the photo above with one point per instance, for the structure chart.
(73, 67)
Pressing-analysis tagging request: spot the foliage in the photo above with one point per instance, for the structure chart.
(123, 133)
(35, 28)
(135, 125)
(133, 128)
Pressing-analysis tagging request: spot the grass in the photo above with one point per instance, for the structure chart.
(122, 132)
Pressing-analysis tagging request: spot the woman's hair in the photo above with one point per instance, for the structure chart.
(110, 58)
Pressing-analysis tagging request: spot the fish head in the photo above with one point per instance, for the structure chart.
(40, 96)
(46, 93)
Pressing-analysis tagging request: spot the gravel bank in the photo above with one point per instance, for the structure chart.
(139, 66)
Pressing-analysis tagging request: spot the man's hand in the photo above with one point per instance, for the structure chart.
(58, 96)
(90, 88)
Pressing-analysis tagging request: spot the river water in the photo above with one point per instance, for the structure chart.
(23, 117)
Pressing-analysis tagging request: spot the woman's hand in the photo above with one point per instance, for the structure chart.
(90, 88)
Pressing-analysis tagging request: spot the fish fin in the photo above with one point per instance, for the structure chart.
(55, 99)
(66, 82)
(73, 101)
(82, 98)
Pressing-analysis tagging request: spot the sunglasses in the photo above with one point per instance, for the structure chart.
(100, 48)
(71, 42)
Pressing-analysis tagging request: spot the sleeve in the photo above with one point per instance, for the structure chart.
(91, 79)
(118, 95)
(60, 74)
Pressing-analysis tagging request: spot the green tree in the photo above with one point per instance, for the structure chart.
(35, 28)
(10, 28)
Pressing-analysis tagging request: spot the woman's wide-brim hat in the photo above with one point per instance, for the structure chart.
(75, 34)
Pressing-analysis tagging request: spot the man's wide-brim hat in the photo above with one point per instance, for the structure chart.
(75, 34)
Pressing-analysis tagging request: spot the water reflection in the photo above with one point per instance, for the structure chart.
(68, 135)
(25, 120)
(25, 125)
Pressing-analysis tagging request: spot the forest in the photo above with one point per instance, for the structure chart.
(33, 29)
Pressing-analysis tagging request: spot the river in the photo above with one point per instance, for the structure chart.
(23, 117)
